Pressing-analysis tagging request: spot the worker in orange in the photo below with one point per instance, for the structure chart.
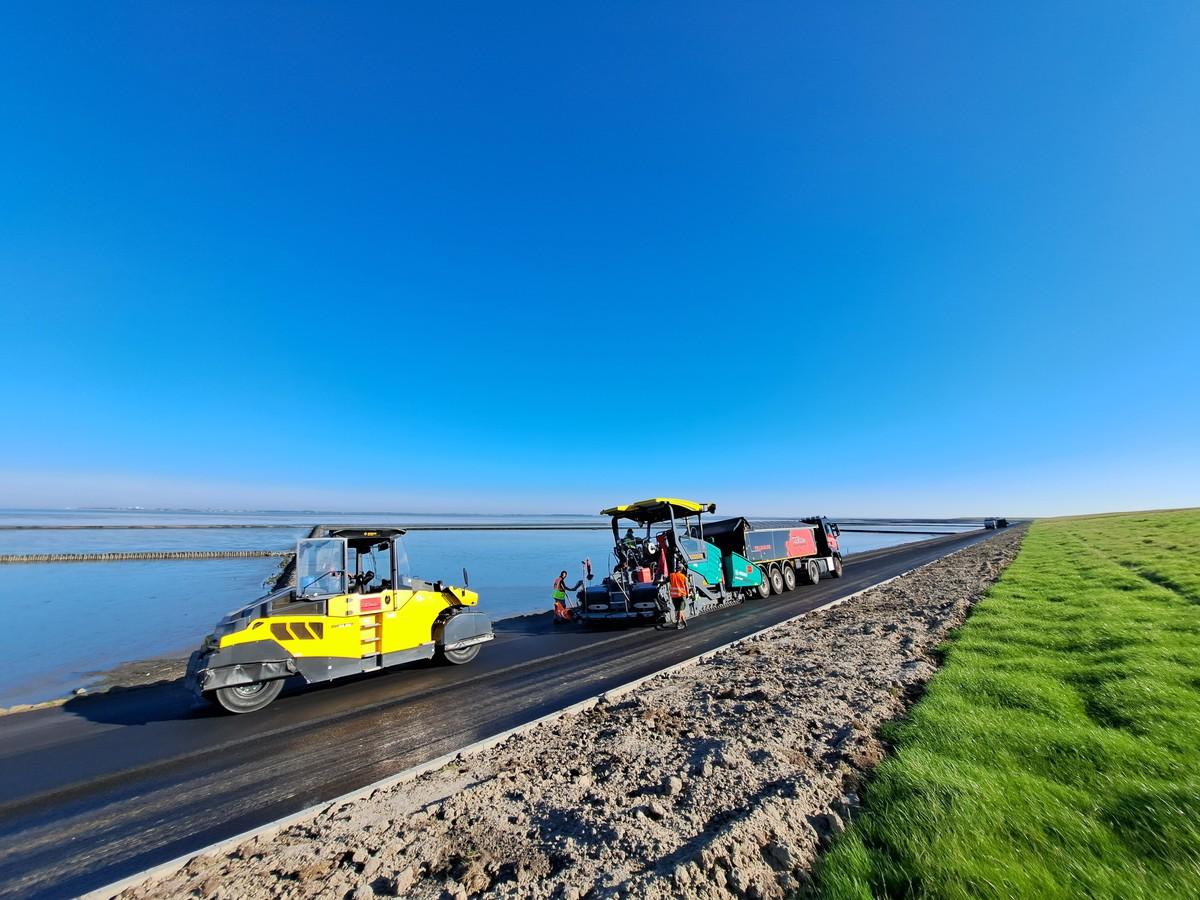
(680, 588)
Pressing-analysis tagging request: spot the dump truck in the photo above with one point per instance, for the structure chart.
(726, 562)
(785, 556)
(354, 608)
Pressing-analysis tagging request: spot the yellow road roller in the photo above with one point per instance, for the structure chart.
(354, 608)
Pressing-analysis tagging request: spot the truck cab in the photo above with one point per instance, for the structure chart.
(827, 536)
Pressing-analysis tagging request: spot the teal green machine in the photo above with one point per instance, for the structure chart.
(663, 534)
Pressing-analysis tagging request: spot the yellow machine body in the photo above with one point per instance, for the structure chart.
(357, 625)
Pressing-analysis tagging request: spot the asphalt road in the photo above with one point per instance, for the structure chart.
(107, 786)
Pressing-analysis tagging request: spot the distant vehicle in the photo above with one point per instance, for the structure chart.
(989, 523)
(354, 609)
(1002, 523)
(726, 561)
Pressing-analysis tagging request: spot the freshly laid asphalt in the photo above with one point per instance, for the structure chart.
(107, 786)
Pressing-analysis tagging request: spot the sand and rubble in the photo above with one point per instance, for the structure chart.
(721, 779)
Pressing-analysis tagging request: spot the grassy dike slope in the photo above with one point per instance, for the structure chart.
(1057, 753)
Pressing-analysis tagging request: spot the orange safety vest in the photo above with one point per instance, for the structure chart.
(679, 585)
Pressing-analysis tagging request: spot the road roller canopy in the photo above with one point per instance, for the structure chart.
(658, 509)
(363, 539)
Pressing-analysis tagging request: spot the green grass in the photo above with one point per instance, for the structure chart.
(1057, 753)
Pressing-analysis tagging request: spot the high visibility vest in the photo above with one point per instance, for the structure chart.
(679, 585)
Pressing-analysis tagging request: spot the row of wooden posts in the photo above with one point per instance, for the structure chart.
(137, 554)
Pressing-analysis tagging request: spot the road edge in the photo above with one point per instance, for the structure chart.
(227, 844)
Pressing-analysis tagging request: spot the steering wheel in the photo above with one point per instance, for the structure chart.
(358, 582)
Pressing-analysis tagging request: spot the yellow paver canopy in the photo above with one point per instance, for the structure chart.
(657, 509)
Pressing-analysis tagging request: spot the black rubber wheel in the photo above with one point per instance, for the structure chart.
(245, 698)
(814, 572)
(764, 587)
(837, 567)
(461, 656)
(776, 580)
(789, 577)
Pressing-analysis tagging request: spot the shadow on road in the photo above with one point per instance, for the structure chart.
(139, 705)
(538, 623)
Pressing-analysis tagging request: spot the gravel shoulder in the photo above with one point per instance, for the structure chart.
(720, 779)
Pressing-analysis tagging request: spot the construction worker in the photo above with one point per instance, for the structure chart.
(562, 613)
(627, 549)
(680, 588)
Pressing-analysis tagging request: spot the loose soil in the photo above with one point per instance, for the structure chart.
(721, 779)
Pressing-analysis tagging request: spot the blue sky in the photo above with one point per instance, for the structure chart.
(934, 258)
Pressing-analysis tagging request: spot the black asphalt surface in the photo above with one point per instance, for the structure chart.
(107, 786)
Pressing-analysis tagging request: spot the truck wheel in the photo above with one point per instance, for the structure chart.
(764, 586)
(837, 567)
(814, 572)
(789, 577)
(460, 656)
(776, 580)
(245, 698)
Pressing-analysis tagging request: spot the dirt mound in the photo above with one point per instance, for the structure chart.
(720, 779)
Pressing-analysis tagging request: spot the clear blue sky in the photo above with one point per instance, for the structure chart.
(862, 259)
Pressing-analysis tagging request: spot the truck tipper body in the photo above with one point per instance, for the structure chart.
(785, 556)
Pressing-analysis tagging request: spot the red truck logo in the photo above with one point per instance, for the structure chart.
(800, 542)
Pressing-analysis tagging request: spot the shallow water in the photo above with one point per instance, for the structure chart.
(66, 620)
(141, 517)
(119, 539)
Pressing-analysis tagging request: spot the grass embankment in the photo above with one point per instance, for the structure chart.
(1057, 753)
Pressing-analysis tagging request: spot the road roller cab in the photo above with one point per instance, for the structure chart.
(354, 608)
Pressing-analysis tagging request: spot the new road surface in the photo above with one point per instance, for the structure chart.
(107, 786)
